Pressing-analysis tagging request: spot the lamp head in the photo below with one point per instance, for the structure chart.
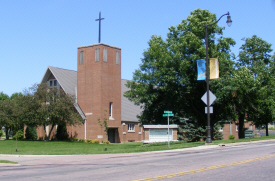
(229, 21)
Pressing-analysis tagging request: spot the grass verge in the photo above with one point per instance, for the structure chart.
(7, 162)
(77, 148)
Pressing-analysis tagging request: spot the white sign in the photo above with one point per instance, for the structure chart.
(212, 98)
(210, 110)
(156, 135)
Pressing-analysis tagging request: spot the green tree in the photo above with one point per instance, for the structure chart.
(255, 55)
(47, 106)
(10, 113)
(167, 77)
(3, 96)
(61, 132)
(31, 133)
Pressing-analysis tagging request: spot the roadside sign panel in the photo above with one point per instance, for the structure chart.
(165, 115)
(210, 110)
(212, 98)
(167, 111)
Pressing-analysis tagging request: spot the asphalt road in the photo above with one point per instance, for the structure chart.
(251, 161)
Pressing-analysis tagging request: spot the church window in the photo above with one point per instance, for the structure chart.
(117, 58)
(97, 54)
(51, 83)
(111, 110)
(81, 57)
(105, 55)
(55, 83)
(131, 127)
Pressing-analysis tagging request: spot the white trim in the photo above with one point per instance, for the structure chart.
(85, 129)
(85, 46)
(88, 114)
(159, 126)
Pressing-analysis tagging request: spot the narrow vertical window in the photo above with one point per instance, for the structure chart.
(105, 55)
(51, 83)
(55, 83)
(117, 58)
(111, 110)
(97, 54)
(81, 57)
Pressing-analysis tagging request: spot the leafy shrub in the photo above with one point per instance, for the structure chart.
(89, 141)
(189, 130)
(95, 141)
(1, 133)
(41, 138)
(231, 137)
(82, 140)
(217, 135)
(31, 133)
(61, 132)
(74, 139)
(271, 128)
(18, 135)
(106, 142)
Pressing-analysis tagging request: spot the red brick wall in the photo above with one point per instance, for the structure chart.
(226, 129)
(136, 135)
(98, 84)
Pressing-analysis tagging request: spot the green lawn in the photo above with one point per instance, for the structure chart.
(74, 148)
(6, 161)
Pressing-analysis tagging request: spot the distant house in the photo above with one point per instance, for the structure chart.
(232, 128)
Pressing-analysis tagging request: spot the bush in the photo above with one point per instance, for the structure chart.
(89, 141)
(61, 132)
(18, 135)
(82, 140)
(95, 141)
(31, 133)
(106, 142)
(231, 137)
(1, 133)
(74, 139)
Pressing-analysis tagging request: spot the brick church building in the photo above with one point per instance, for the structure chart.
(98, 89)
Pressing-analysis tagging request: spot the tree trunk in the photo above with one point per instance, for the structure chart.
(50, 132)
(241, 126)
(7, 133)
(46, 137)
(266, 129)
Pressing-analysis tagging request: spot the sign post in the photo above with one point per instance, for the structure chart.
(167, 114)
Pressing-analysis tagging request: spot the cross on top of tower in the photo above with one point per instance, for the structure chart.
(99, 19)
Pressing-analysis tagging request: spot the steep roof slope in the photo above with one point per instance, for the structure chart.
(68, 81)
(129, 110)
(66, 78)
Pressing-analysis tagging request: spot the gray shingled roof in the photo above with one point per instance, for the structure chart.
(68, 81)
(66, 78)
(129, 110)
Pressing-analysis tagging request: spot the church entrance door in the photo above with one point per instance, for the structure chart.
(112, 135)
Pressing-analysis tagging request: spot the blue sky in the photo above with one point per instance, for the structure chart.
(36, 34)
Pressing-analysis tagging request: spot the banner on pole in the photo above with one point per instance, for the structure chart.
(201, 69)
(214, 68)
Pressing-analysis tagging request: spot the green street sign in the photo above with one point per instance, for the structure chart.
(168, 112)
(165, 115)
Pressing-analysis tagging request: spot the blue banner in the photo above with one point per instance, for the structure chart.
(201, 69)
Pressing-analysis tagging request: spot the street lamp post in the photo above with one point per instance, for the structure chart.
(229, 22)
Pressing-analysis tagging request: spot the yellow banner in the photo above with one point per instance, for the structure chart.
(214, 68)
